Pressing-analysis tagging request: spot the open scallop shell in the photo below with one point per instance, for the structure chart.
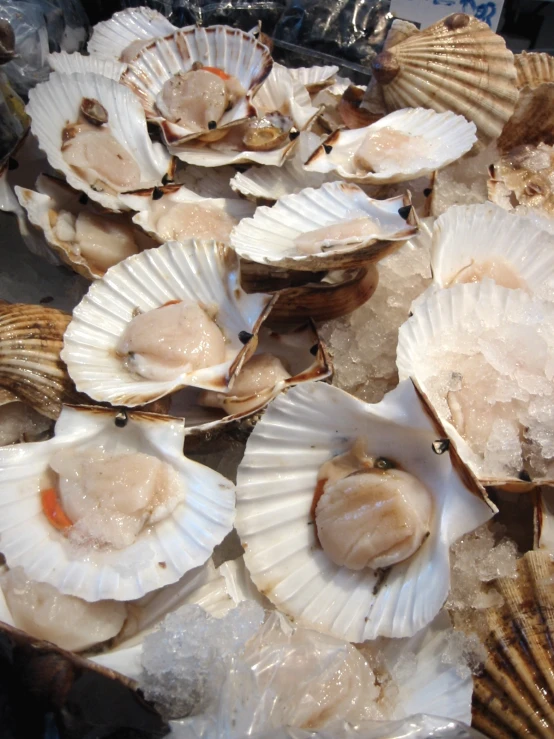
(56, 103)
(457, 64)
(269, 237)
(271, 183)
(31, 338)
(446, 136)
(229, 49)
(533, 68)
(513, 696)
(44, 208)
(316, 78)
(174, 194)
(533, 118)
(65, 63)
(473, 239)
(161, 554)
(276, 483)
(111, 38)
(199, 271)
(283, 93)
(435, 318)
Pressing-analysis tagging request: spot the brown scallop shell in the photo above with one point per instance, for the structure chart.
(457, 64)
(533, 68)
(31, 337)
(514, 695)
(533, 119)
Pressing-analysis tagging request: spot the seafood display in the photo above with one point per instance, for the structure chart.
(286, 462)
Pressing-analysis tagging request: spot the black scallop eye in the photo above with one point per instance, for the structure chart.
(382, 463)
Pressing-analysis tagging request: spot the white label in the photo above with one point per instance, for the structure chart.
(427, 12)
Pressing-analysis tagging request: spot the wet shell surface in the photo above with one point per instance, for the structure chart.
(282, 92)
(272, 235)
(524, 177)
(182, 539)
(533, 68)
(471, 242)
(406, 144)
(65, 63)
(277, 480)
(458, 64)
(125, 31)
(514, 694)
(199, 272)
(31, 338)
(236, 53)
(55, 104)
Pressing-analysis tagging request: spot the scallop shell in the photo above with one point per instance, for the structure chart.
(544, 519)
(269, 237)
(30, 365)
(43, 209)
(514, 694)
(434, 318)
(271, 183)
(533, 68)
(235, 52)
(533, 119)
(448, 137)
(275, 488)
(65, 63)
(110, 38)
(199, 271)
(54, 103)
(315, 78)
(233, 207)
(162, 553)
(206, 182)
(282, 92)
(458, 64)
(473, 235)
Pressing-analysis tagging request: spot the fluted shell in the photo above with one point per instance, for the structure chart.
(470, 241)
(282, 92)
(54, 200)
(56, 103)
(64, 63)
(315, 78)
(457, 64)
(544, 519)
(445, 136)
(270, 236)
(162, 552)
(524, 176)
(513, 696)
(31, 337)
(276, 483)
(234, 208)
(446, 316)
(533, 119)
(197, 271)
(111, 38)
(234, 52)
(239, 584)
(533, 68)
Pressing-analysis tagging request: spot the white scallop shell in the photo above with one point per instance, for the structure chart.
(55, 103)
(219, 154)
(110, 38)
(235, 52)
(275, 488)
(233, 207)
(269, 237)
(198, 271)
(467, 235)
(65, 63)
(183, 540)
(314, 78)
(449, 137)
(206, 182)
(438, 314)
(281, 92)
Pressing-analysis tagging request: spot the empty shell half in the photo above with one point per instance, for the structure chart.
(335, 226)
(315, 78)
(301, 495)
(401, 146)
(281, 92)
(161, 320)
(65, 63)
(198, 81)
(94, 131)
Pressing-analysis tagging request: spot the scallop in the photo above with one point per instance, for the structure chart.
(126, 32)
(65, 63)
(284, 93)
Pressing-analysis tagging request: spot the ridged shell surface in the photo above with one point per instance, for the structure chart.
(445, 136)
(236, 53)
(315, 78)
(221, 155)
(533, 68)
(269, 237)
(282, 92)
(276, 483)
(56, 103)
(110, 38)
(271, 183)
(458, 64)
(76, 63)
(31, 338)
(198, 271)
(533, 119)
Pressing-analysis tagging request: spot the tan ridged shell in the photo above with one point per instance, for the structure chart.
(533, 68)
(31, 338)
(533, 119)
(457, 64)
(514, 697)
